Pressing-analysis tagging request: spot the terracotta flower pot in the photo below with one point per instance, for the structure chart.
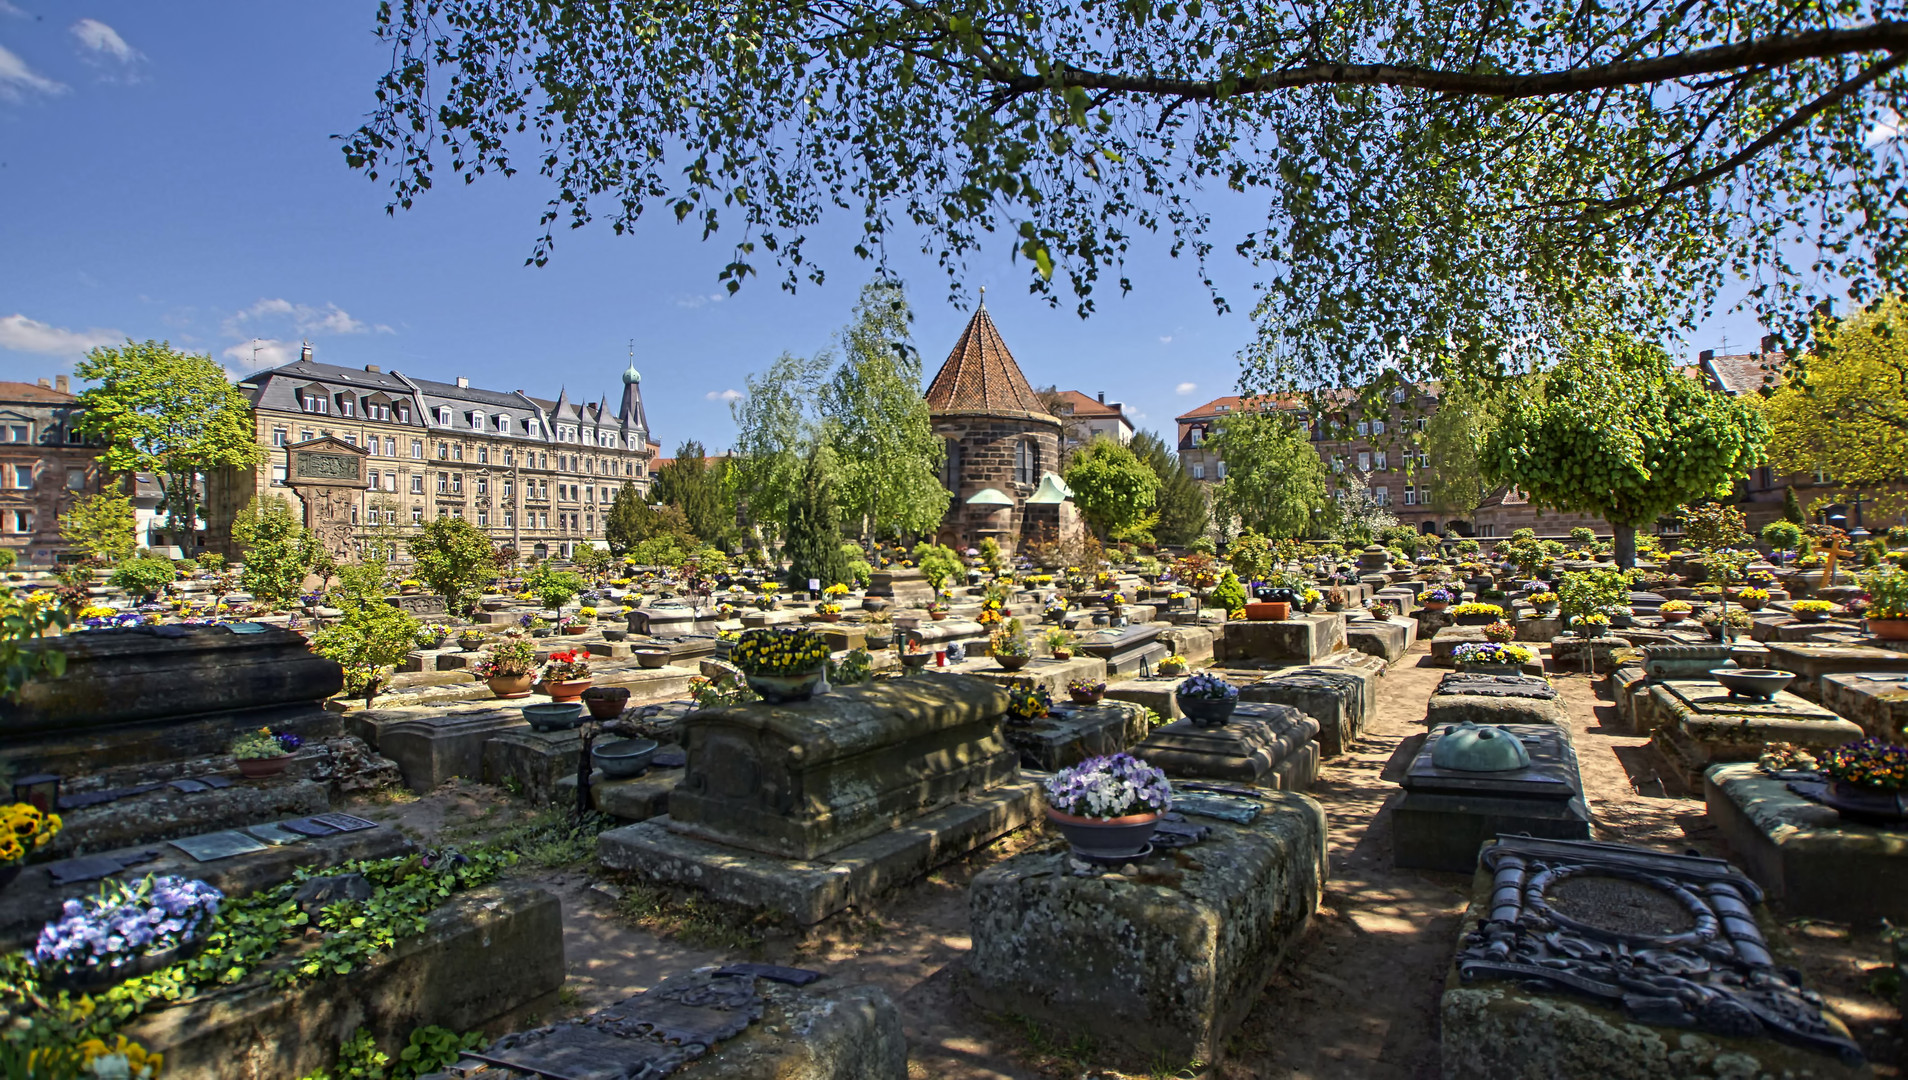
(575, 628)
(1436, 605)
(1063, 654)
(511, 686)
(831, 616)
(1086, 697)
(937, 616)
(566, 691)
(1889, 629)
(260, 768)
(1106, 839)
(1674, 617)
(606, 702)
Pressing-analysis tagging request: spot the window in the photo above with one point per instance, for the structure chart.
(457, 484)
(510, 519)
(1197, 436)
(1487, 531)
(1424, 494)
(457, 452)
(1026, 462)
(1377, 427)
(1821, 476)
(543, 490)
(476, 421)
(417, 484)
(390, 446)
(1364, 461)
(390, 517)
(543, 461)
(1419, 424)
(354, 515)
(19, 433)
(374, 481)
(351, 437)
(278, 436)
(1364, 427)
(1199, 472)
(72, 435)
(417, 515)
(530, 428)
(503, 424)
(346, 405)
(23, 521)
(278, 476)
(444, 415)
(306, 435)
(390, 481)
(417, 449)
(1381, 460)
(443, 511)
(1382, 495)
(483, 485)
(1411, 495)
(457, 511)
(1424, 460)
(506, 489)
(403, 413)
(483, 455)
(1219, 470)
(589, 522)
(543, 519)
(1338, 464)
(23, 477)
(443, 483)
(483, 516)
(1397, 397)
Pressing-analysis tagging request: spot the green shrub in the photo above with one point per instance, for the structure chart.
(144, 576)
(1230, 594)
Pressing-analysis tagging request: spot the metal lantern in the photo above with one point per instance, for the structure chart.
(40, 791)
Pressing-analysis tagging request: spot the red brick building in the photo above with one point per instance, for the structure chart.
(44, 466)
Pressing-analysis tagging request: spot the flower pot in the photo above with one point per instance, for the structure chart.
(616, 635)
(566, 691)
(1810, 616)
(1889, 629)
(651, 658)
(575, 628)
(937, 616)
(1756, 684)
(1063, 654)
(1207, 712)
(606, 702)
(880, 640)
(511, 686)
(831, 616)
(1172, 670)
(1011, 663)
(1436, 605)
(91, 979)
(1674, 617)
(624, 758)
(1106, 839)
(1086, 697)
(1268, 610)
(782, 689)
(1475, 620)
(915, 661)
(554, 716)
(260, 768)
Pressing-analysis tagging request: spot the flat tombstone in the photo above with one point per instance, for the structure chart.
(1265, 744)
(1447, 814)
(1877, 700)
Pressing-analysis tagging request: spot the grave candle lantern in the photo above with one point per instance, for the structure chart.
(40, 791)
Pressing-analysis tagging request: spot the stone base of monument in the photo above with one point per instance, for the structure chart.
(1539, 630)
(432, 745)
(485, 959)
(1810, 662)
(1699, 724)
(1807, 857)
(636, 799)
(1053, 675)
(34, 898)
(1446, 815)
(810, 890)
(1493, 699)
(1194, 643)
(1272, 746)
(1445, 642)
(1160, 965)
(1301, 639)
(534, 760)
(456, 688)
(1153, 692)
(1520, 1002)
(1342, 698)
(1386, 639)
(1431, 623)
(1630, 692)
(1400, 601)
(822, 1031)
(1568, 653)
(1072, 733)
(1878, 701)
(1125, 650)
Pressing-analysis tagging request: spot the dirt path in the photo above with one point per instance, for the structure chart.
(1357, 998)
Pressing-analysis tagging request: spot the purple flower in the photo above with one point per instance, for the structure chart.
(1207, 685)
(1108, 787)
(125, 921)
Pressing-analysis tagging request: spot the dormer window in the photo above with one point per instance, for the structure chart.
(444, 415)
(531, 427)
(346, 405)
(503, 424)
(476, 421)
(403, 412)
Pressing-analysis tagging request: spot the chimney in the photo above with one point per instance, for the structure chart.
(304, 351)
(1769, 343)
(373, 369)
(60, 384)
(44, 385)
(1102, 397)
(1705, 356)
(463, 382)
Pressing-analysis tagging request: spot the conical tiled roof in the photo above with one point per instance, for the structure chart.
(980, 375)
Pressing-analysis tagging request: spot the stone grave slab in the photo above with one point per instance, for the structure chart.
(1700, 724)
(1153, 692)
(1805, 855)
(636, 799)
(823, 1030)
(841, 637)
(1464, 697)
(1073, 733)
(1301, 639)
(1341, 698)
(1538, 629)
(1124, 650)
(1445, 642)
(1163, 964)
(755, 620)
(1387, 639)
(1045, 672)
(1877, 700)
(1194, 643)
(1683, 661)
(1812, 661)
(1567, 652)
(1539, 987)
(806, 778)
(669, 620)
(1630, 693)
(166, 813)
(536, 760)
(1273, 746)
(484, 956)
(902, 586)
(431, 746)
(1446, 814)
(420, 605)
(810, 890)
(608, 650)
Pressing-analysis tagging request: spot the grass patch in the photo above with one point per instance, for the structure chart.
(554, 838)
(1044, 1045)
(692, 920)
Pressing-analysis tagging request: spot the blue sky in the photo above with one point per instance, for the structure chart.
(168, 171)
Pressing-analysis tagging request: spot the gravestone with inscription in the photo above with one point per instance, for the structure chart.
(327, 473)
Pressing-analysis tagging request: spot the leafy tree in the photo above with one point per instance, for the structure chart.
(1444, 185)
(1275, 483)
(553, 588)
(1791, 508)
(367, 642)
(1359, 516)
(1843, 405)
(1112, 488)
(1782, 535)
(774, 428)
(663, 549)
(1618, 431)
(814, 536)
(1454, 436)
(694, 486)
(1182, 500)
(593, 560)
(1714, 527)
(103, 525)
(21, 621)
(887, 456)
(630, 521)
(144, 577)
(280, 553)
(938, 563)
(454, 560)
(8, 557)
(169, 413)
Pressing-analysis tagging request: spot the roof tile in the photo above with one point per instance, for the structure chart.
(980, 374)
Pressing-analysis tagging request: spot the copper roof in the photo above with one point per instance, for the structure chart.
(980, 375)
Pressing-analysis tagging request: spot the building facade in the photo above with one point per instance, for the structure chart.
(45, 464)
(531, 473)
(1084, 418)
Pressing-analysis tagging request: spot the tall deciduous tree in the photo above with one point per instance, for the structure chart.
(1842, 408)
(774, 429)
(1182, 502)
(813, 542)
(886, 452)
(696, 486)
(630, 521)
(1444, 183)
(169, 413)
(1619, 432)
(1111, 486)
(1275, 483)
(103, 525)
(1454, 436)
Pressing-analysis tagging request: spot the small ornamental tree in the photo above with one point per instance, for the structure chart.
(1618, 431)
(103, 526)
(367, 642)
(553, 588)
(455, 561)
(938, 564)
(1275, 483)
(629, 523)
(813, 535)
(1114, 489)
(280, 553)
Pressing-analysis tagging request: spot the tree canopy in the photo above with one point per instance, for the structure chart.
(1618, 431)
(697, 487)
(1442, 182)
(1275, 483)
(165, 412)
(1182, 502)
(1842, 407)
(1111, 487)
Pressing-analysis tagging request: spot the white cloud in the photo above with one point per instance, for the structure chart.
(9, 9)
(261, 353)
(723, 395)
(102, 40)
(1886, 128)
(330, 319)
(693, 301)
(17, 80)
(1185, 388)
(22, 334)
(1166, 339)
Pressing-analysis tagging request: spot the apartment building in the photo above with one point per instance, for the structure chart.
(1084, 418)
(45, 465)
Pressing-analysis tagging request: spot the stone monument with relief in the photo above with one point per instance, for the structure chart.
(327, 473)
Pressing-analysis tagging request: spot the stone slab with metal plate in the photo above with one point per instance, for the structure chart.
(1341, 697)
(1273, 746)
(1811, 661)
(1810, 859)
(1699, 723)
(1051, 675)
(1125, 650)
(1445, 642)
(1072, 733)
(1448, 812)
(1465, 697)
(1161, 964)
